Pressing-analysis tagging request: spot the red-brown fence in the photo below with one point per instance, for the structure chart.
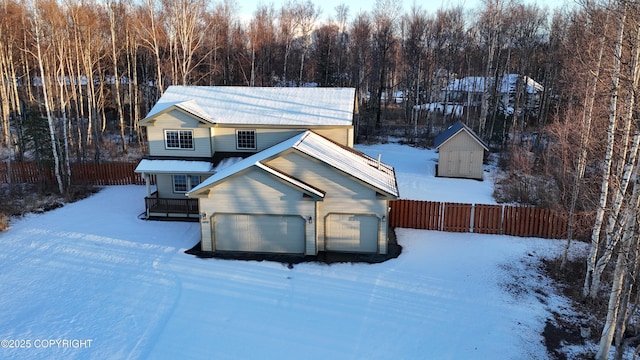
(483, 219)
(121, 173)
(428, 215)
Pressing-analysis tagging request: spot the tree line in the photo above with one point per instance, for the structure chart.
(88, 66)
(76, 76)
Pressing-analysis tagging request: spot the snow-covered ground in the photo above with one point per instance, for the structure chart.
(415, 172)
(116, 287)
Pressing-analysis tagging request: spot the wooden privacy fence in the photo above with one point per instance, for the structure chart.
(428, 215)
(483, 219)
(120, 173)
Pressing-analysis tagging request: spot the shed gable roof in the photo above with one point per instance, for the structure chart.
(350, 162)
(452, 131)
(262, 105)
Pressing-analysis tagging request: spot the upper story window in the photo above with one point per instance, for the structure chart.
(178, 139)
(246, 139)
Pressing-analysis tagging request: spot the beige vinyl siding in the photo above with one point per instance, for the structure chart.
(178, 120)
(265, 138)
(257, 192)
(461, 156)
(343, 194)
(342, 136)
(164, 186)
(225, 137)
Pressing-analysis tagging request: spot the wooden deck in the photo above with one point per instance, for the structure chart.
(171, 209)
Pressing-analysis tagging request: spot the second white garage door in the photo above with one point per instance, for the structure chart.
(352, 233)
(259, 233)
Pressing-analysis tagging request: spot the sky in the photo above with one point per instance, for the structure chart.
(247, 7)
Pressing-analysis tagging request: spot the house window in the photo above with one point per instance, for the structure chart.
(178, 139)
(183, 183)
(246, 139)
(194, 181)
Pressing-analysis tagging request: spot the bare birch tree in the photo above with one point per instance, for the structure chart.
(152, 35)
(305, 15)
(588, 290)
(585, 137)
(115, 11)
(37, 23)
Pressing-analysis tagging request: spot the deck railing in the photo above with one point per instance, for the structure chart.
(168, 207)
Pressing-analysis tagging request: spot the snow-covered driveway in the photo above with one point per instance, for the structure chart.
(92, 271)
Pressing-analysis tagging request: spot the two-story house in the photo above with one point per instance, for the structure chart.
(511, 88)
(266, 170)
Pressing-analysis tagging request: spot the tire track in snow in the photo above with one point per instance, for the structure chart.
(86, 286)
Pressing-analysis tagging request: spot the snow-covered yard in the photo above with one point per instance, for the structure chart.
(415, 171)
(118, 287)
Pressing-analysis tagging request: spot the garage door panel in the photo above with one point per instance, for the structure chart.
(352, 233)
(259, 233)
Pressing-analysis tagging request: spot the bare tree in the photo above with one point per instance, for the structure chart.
(613, 118)
(263, 38)
(585, 138)
(152, 35)
(38, 23)
(361, 32)
(414, 29)
(286, 35)
(385, 17)
(115, 11)
(305, 15)
(186, 35)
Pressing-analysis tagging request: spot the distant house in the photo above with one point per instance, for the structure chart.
(266, 170)
(460, 152)
(470, 90)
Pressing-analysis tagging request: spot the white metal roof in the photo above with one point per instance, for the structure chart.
(173, 166)
(262, 105)
(246, 163)
(351, 162)
(182, 166)
(481, 84)
(192, 107)
(293, 181)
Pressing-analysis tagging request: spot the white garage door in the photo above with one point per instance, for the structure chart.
(259, 233)
(352, 233)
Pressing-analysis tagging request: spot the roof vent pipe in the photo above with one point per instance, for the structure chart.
(379, 157)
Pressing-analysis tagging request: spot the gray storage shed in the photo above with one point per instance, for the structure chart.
(461, 152)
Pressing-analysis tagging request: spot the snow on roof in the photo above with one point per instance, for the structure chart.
(291, 180)
(480, 84)
(469, 83)
(352, 162)
(192, 107)
(347, 160)
(262, 105)
(226, 163)
(173, 166)
(453, 130)
(245, 163)
(182, 166)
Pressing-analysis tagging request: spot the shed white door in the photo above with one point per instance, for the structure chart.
(259, 233)
(460, 163)
(351, 233)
